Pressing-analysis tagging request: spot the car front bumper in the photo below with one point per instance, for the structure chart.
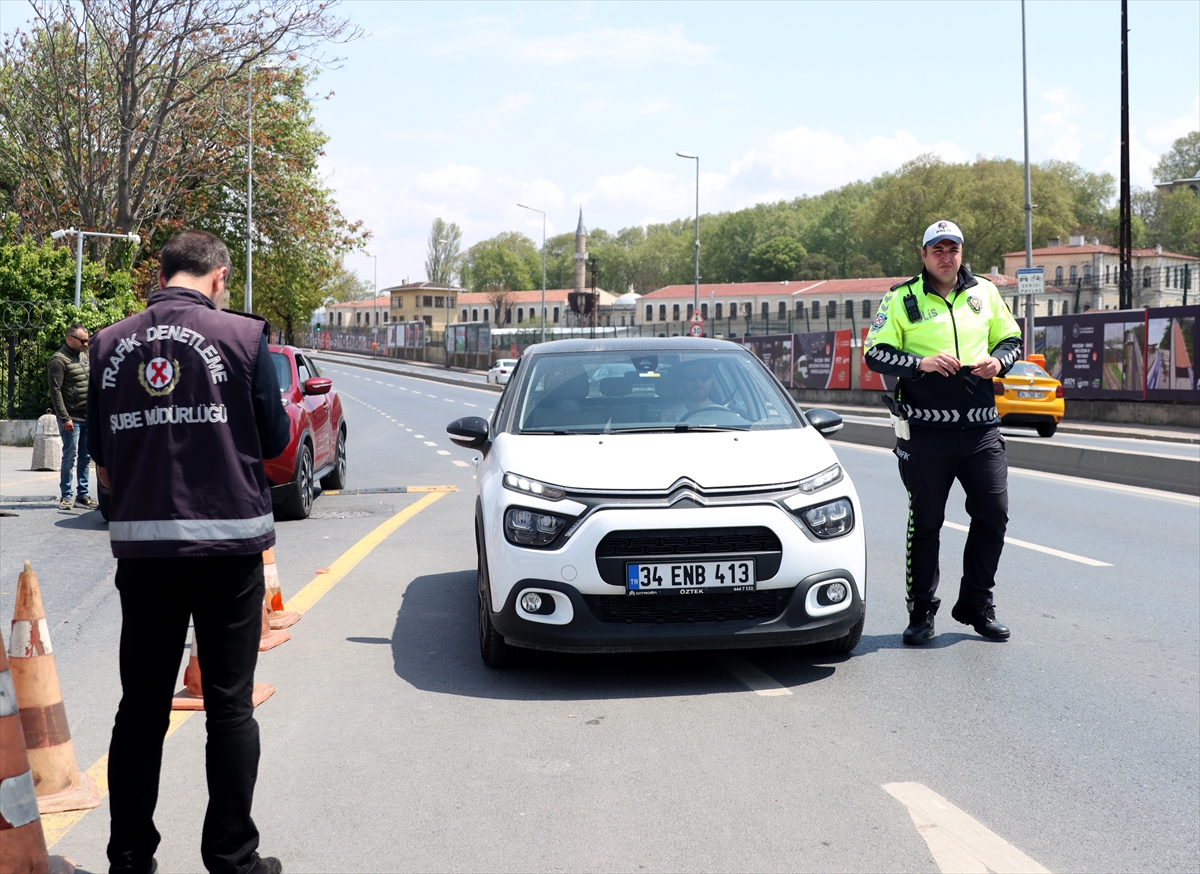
(588, 632)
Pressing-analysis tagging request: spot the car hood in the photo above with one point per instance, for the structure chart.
(647, 462)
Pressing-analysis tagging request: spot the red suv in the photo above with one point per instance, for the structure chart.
(317, 450)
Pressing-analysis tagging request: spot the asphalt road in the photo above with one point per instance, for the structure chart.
(389, 746)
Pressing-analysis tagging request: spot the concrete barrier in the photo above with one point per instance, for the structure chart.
(1167, 472)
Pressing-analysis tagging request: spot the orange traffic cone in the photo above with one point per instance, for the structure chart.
(56, 777)
(270, 638)
(22, 841)
(191, 696)
(274, 597)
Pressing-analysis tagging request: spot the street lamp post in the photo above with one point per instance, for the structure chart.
(1029, 301)
(374, 303)
(696, 294)
(79, 235)
(248, 304)
(531, 209)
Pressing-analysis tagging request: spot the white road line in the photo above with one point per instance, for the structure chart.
(432, 397)
(958, 842)
(465, 404)
(409, 430)
(414, 391)
(1037, 547)
(460, 463)
(1066, 480)
(752, 677)
(418, 436)
(380, 381)
(447, 400)
(443, 452)
(430, 443)
(389, 385)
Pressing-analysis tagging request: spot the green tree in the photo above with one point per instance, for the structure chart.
(443, 259)
(817, 266)
(775, 260)
(503, 261)
(1182, 161)
(346, 285)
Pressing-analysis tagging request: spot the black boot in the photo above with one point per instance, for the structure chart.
(983, 620)
(920, 626)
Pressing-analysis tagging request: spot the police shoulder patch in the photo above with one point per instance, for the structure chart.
(975, 304)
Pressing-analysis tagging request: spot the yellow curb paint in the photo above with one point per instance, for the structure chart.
(320, 585)
(432, 489)
(56, 825)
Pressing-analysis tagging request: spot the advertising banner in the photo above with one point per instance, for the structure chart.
(816, 360)
(1145, 354)
(775, 351)
(868, 379)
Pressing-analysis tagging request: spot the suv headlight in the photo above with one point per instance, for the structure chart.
(827, 477)
(532, 527)
(829, 520)
(527, 486)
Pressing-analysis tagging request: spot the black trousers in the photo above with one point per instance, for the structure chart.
(224, 597)
(929, 464)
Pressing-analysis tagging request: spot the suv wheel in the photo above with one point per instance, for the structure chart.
(842, 645)
(493, 649)
(298, 503)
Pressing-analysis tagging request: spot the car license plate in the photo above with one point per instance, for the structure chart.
(1029, 394)
(690, 577)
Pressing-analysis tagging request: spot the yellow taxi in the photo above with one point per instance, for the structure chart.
(1028, 396)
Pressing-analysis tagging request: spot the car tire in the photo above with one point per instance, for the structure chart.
(493, 649)
(336, 479)
(1047, 429)
(299, 501)
(842, 645)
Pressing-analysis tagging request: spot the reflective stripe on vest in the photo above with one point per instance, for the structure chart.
(192, 529)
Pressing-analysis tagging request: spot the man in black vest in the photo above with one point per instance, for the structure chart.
(184, 403)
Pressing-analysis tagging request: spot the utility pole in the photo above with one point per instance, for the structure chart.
(1125, 231)
(1030, 305)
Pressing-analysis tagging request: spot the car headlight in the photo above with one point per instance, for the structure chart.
(829, 520)
(827, 477)
(532, 527)
(532, 487)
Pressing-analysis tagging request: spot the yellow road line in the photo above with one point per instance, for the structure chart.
(56, 825)
(314, 591)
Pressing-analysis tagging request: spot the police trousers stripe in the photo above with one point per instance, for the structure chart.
(192, 529)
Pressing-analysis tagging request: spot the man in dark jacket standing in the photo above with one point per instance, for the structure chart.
(185, 406)
(946, 334)
(67, 374)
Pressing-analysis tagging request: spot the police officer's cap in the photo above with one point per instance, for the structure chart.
(942, 230)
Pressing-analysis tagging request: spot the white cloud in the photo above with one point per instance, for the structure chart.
(607, 46)
(1163, 134)
(453, 179)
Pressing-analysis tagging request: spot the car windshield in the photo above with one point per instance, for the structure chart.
(1027, 368)
(621, 391)
(283, 370)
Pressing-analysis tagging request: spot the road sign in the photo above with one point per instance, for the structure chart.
(1031, 280)
(696, 329)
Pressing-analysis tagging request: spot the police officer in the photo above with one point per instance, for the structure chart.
(946, 334)
(184, 402)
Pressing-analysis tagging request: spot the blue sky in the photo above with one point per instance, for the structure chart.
(461, 110)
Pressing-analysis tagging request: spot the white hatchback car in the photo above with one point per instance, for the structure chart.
(679, 501)
(501, 371)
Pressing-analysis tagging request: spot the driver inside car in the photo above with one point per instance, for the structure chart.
(696, 380)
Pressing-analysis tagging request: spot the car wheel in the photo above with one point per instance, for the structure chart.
(842, 645)
(1047, 429)
(493, 649)
(337, 478)
(298, 503)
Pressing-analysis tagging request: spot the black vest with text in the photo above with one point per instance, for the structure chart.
(178, 430)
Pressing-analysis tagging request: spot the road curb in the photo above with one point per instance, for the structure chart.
(1167, 473)
(487, 386)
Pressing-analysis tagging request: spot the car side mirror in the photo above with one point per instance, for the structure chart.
(825, 421)
(469, 431)
(317, 385)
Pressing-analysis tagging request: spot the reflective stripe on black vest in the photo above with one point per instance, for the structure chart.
(192, 529)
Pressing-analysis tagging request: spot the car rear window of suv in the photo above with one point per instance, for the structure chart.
(624, 391)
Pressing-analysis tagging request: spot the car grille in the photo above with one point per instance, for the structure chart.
(710, 607)
(697, 541)
(619, 547)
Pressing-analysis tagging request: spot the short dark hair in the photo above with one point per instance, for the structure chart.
(196, 253)
(73, 327)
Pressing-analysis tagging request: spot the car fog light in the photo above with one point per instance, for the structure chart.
(836, 592)
(531, 602)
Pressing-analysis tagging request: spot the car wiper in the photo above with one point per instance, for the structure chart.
(675, 429)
